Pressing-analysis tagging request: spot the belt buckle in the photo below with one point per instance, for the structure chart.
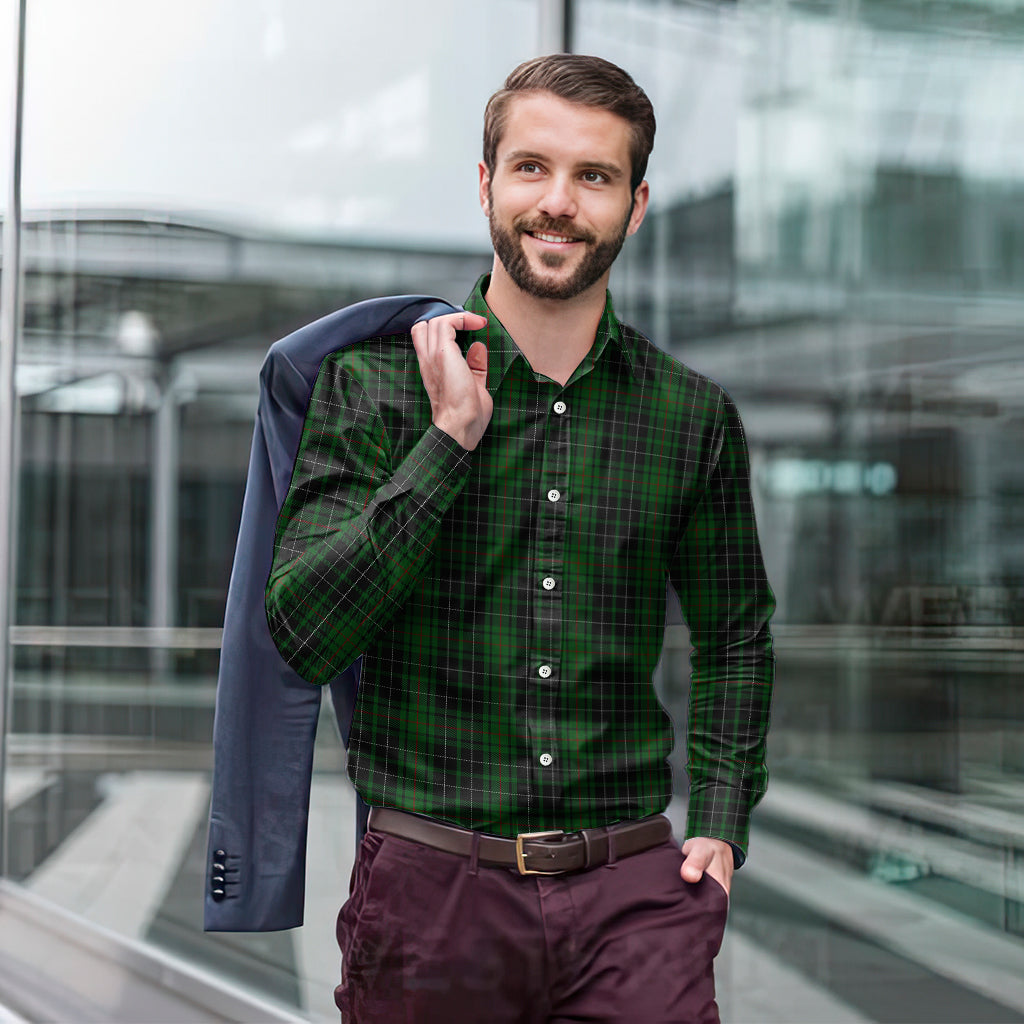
(521, 862)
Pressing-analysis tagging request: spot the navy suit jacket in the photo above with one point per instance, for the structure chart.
(266, 714)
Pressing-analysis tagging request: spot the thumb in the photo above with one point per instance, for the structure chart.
(694, 863)
(477, 358)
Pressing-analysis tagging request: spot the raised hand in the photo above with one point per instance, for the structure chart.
(459, 402)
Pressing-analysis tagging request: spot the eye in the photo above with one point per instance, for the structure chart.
(528, 167)
(594, 177)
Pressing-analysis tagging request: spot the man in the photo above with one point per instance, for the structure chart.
(491, 515)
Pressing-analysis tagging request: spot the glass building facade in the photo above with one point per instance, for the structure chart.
(836, 235)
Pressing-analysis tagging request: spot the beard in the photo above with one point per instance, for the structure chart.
(508, 247)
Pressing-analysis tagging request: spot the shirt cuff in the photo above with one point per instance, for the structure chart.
(720, 811)
(738, 856)
(435, 470)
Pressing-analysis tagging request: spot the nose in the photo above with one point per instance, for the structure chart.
(559, 199)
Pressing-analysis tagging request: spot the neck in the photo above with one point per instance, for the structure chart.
(553, 334)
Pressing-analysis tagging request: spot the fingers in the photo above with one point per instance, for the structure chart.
(435, 340)
(472, 321)
(435, 343)
(441, 329)
(457, 387)
(446, 326)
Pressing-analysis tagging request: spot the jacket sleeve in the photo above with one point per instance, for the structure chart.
(355, 531)
(727, 602)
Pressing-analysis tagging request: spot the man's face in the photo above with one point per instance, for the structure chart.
(559, 203)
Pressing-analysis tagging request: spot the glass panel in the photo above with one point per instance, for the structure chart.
(836, 236)
(201, 178)
(8, 27)
(8, 57)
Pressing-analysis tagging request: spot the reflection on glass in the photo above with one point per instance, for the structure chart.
(836, 237)
(200, 179)
(8, 26)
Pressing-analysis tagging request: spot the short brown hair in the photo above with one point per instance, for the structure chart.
(575, 77)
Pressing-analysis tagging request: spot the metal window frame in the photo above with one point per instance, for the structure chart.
(554, 26)
(10, 327)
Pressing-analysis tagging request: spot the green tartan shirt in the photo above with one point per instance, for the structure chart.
(509, 602)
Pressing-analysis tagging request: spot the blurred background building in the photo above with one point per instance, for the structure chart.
(836, 235)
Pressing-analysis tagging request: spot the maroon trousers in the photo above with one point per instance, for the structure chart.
(429, 937)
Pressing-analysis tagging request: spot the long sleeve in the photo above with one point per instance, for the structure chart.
(727, 602)
(355, 531)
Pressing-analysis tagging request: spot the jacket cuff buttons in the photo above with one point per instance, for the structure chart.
(218, 875)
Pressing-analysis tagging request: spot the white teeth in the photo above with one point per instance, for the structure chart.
(551, 238)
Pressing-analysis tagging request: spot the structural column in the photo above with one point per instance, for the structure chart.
(163, 546)
(10, 320)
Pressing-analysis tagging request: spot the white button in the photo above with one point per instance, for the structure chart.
(548, 583)
(559, 407)
(546, 759)
(553, 495)
(544, 671)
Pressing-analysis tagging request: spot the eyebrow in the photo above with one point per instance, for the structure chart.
(611, 170)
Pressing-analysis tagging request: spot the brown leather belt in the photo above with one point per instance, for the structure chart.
(531, 853)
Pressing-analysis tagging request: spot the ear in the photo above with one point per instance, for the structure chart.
(485, 181)
(640, 200)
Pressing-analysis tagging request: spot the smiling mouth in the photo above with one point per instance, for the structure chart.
(546, 237)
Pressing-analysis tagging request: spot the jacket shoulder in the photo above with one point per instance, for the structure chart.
(371, 318)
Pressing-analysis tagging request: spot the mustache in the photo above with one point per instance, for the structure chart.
(552, 227)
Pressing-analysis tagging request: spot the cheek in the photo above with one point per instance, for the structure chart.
(515, 197)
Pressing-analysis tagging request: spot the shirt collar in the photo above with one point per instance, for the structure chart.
(502, 350)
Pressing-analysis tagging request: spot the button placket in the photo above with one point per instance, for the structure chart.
(548, 561)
